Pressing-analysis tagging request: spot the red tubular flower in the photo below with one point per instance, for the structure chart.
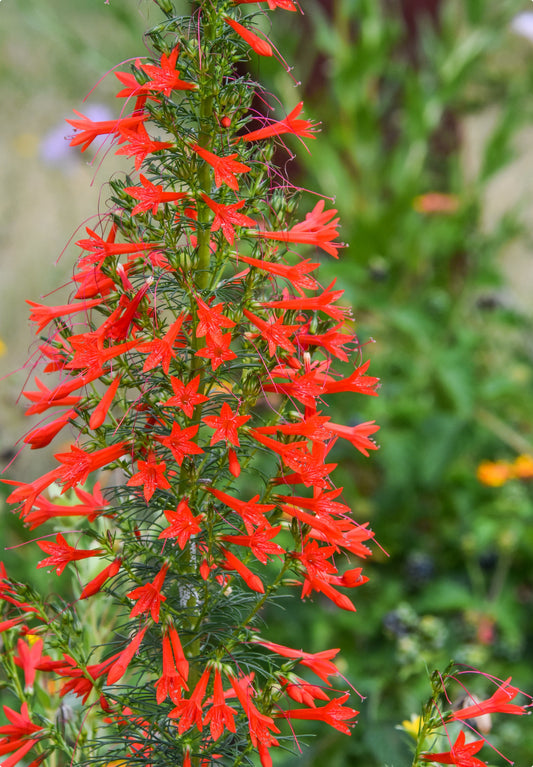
(310, 468)
(179, 444)
(149, 597)
(42, 314)
(220, 716)
(61, 553)
(260, 726)
(28, 658)
(175, 669)
(499, 702)
(93, 282)
(151, 475)
(27, 492)
(287, 5)
(291, 124)
(186, 396)
(100, 249)
(183, 523)
(319, 662)
(226, 425)
(43, 435)
(189, 711)
(217, 350)
(118, 324)
(80, 681)
(91, 507)
(225, 168)
(140, 145)
(163, 78)
(99, 413)
(94, 586)
(182, 664)
(89, 130)
(151, 196)
(274, 332)
(330, 342)
(324, 302)
(259, 542)
(333, 713)
(323, 585)
(356, 382)
(211, 320)
(255, 42)
(227, 216)
(162, 350)
(90, 354)
(17, 735)
(46, 398)
(461, 753)
(301, 691)
(119, 667)
(316, 229)
(358, 435)
(296, 275)
(11, 623)
(231, 562)
(78, 464)
(251, 512)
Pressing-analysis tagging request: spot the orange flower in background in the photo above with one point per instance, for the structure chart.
(522, 467)
(436, 202)
(497, 473)
(494, 473)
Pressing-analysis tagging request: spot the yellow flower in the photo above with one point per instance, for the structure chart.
(412, 725)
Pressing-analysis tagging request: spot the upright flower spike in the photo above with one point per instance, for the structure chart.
(193, 364)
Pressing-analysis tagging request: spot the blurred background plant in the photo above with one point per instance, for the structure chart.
(426, 113)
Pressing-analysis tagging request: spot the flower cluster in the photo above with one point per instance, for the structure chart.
(195, 362)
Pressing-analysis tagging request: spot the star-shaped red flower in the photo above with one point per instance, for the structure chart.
(226, 425)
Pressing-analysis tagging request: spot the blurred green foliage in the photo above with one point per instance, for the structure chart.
(452, 350)
(452, 579)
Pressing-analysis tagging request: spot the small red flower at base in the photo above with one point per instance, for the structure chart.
(461, 754)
